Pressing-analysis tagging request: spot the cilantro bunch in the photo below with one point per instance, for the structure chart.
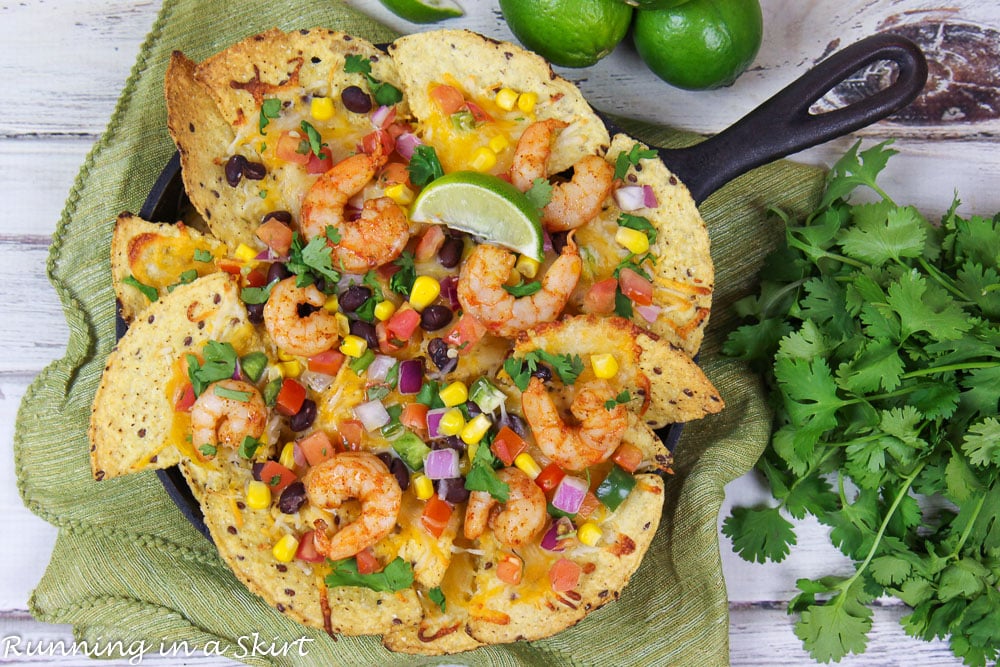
(877, 333)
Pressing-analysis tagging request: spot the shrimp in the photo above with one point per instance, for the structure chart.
(361, 476)
(218, 418)
(291, 331)
(573, 203)
(592, 440)
(522, 517)
(376, 238)
(481, 292)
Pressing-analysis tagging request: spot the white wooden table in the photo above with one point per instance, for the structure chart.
(64, 63)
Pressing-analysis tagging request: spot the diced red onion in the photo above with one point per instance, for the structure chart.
(449, 290)
(547, 242)
(411, 376)
(442, 464)
(649, 197)
(407, 143)
(569, 494)
(299, 456)
(266, 254)
(434, 423)
(630, 197)
(379, 368)
(381, 115)
(649, 313)
(552, 540)
(237, 371)
(372, 415)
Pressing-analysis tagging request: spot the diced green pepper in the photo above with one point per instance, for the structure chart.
(411, 449)
(485, 395)
(615, 488)
(253, 365)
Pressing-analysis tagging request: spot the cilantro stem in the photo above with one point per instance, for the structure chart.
(968, 366)
(968, 527)
(818, 253)
(941, 279)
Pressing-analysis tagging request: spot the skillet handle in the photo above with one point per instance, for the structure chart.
(783, 124)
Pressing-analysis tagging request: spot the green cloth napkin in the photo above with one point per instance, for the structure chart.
(128, 567)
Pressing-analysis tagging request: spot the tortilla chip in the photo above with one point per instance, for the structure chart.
(479, 67)
(157, 255)
(133, 425)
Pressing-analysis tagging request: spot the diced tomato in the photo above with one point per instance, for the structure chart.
(276, 235)
(449, 99)
(635, 287)
(436, 515)
(230, 266)
(385, 345)
(402, 324)
(414, 417)
(587, 507)
(276, 476)
(289, 146)
(397, 128)
(478, 113)
(507, 445)
(367, 563)
(317, 165)
(627, 456)
(351, 433)
(600, 298)
(509, 569)
(564, 575)
(317, 447)
(550, 477)
(256, 278)
(185, 399)
(395, 172)
(390, 116)
(466, 333)
(327, 363)
(307, 549)
(378, 140)
(430, 242)
(290, 397)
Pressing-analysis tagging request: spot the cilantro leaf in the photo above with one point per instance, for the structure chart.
(315, 258)
(396, 576)
(149, 292)
(202, 255)
(630, 159)
(523, 289)
(424, 166)
(402, 280)
(257, 295)
(219, 364)
(540, 193)
(436, 596)
(315, 140)
(483, 477)
(269, 110)
(832, 630)
(759, 534)
(357, 64)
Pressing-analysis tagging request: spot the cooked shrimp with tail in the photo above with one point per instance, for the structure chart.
(376, 238)
(573, 203)
(292, 330)
(595, 436)
(515, 522)
(359, 476)
(226, 417)
(482, 295)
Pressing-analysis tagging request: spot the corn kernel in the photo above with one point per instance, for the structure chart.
(400, 194)
(290, 369)
(287, 457)
(422, 486)
(384, 310)
(526, 464)
(321, 108)
(343, 324)
(353, 346)
(483, 159)
(475, 429)
(454, 394)
(470, 451)
(632, 239)
(506, 99)
(425, 289)
(245, 253)
(452, 422)
(332, 304)
(527, 266)
(285, 548)
(258, 495)
(513, 278)
(605, 365)
(526, 102)
(589, 533)
(285, 356)
(498, 143)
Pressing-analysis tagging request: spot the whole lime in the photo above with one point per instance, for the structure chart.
(571, 33)
(701, 44)
(654, 4)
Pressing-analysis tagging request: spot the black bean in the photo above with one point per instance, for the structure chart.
(386, 458)
(515, 423)
(450, 252)
(435, 317)
(254, 171)
(353, 297)
(367, 331)
(283, 217)
(543, 373)
(559, 241)
(292, 498)
(449, 442)
(305, 417)
(437, 349)
(255, 312)
(452, 490)
(277, 271)
(401, 472)
(356, 100)
(235, 166)
(257, 467)
(472, 409)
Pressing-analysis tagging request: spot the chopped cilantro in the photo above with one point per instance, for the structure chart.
(424, 166)
(631, 159)
(402, 280)
(357, 64)
(269, 110)
(257, 295)
(385, 94)
(540, 193)
(396, 576)
(202, 255)
(313, 259)
(147, 291)
(436, 596)
(219, 364)
(621, 399)
(249, 446)
(523, 289)
(315, 140)
(567, 366)
(623, 304)
(638, 223)
(208, 450)
(483, 476)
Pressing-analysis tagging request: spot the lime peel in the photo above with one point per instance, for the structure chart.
(424, 11)
(485, 206)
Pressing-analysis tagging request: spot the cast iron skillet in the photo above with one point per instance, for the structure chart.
(777, 128)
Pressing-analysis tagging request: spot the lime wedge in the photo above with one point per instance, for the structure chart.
(424, 11)
(484, 206)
